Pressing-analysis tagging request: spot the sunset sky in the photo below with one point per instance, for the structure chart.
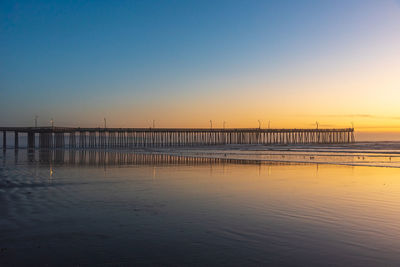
(184, 63)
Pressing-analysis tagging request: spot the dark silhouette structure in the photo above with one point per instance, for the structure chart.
(61, 137)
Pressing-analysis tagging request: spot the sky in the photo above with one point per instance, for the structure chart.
(183, 63)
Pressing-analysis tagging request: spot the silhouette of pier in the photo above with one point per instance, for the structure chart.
(62, 137)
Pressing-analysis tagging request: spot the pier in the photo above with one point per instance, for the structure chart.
(72, 137)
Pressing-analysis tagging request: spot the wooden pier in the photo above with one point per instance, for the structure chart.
(68, 137)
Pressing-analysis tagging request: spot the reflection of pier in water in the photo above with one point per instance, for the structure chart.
(118, 158)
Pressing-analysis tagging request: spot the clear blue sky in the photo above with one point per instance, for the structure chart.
(134, 61)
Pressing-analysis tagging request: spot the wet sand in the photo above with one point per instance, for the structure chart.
(112, 208)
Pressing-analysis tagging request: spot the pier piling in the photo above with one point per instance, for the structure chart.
(16, 139)
(94, 138)
(4, 140)
(31, 140)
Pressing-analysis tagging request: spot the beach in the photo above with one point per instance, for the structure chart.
(203, 206)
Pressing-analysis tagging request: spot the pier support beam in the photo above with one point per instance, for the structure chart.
(72, 140)
(4, 140)
(16, 140)
(31, 140)
(46, 140)
(59, 140)
(139, 138)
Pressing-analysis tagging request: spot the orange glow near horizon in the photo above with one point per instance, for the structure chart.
(336, 72)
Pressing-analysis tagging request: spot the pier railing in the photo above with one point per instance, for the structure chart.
(61, 137)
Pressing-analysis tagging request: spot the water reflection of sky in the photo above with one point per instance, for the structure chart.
(129, 208)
